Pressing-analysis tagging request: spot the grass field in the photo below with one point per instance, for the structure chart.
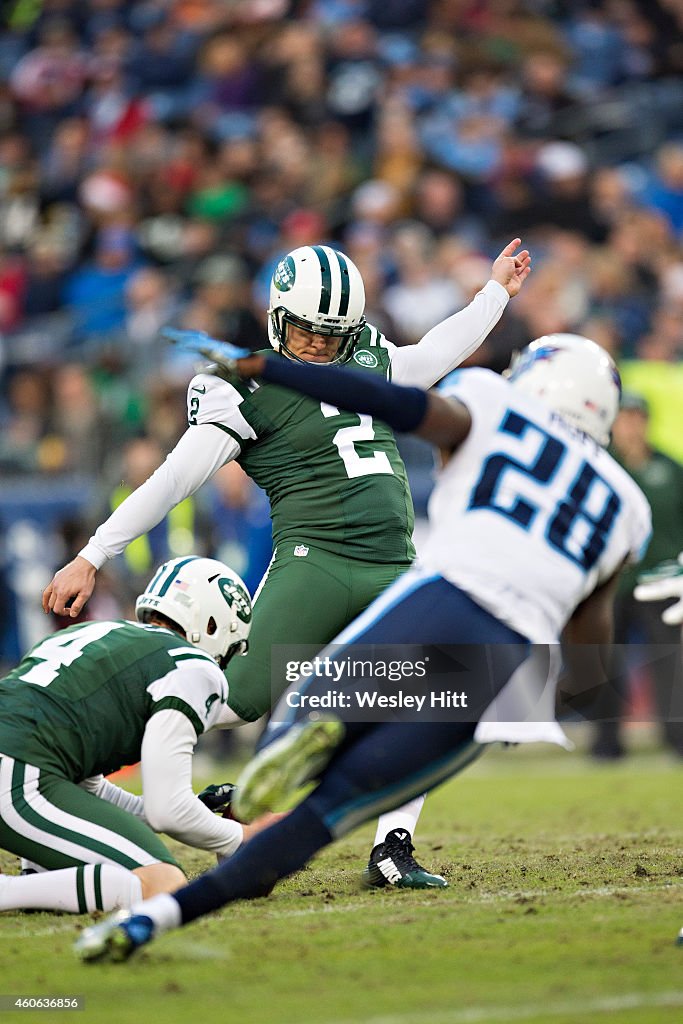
(566, 894)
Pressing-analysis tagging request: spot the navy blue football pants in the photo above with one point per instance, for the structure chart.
(381, 765)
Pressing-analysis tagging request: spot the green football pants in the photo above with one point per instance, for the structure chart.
(53, 822)
(305, 598)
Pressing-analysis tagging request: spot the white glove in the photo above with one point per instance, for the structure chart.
(661, 583)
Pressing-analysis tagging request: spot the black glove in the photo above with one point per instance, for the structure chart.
(218, 798)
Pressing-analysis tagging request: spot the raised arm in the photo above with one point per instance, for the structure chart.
(443, 421)
(454, 339)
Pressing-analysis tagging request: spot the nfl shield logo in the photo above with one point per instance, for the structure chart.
(300, 550)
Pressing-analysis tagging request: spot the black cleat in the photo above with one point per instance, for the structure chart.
(392, 863)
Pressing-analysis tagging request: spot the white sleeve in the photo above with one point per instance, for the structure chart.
(105, 790)
(200, 452)
(446, 345)
(170, 804)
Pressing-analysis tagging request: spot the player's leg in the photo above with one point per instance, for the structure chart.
(305, 598)
(425, 608)
(308, 598)
(391, 859)
(389, 764)
(96, 856)
(374, 769)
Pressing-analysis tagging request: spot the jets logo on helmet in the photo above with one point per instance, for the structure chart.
(575, 377)
(206, 599)
(317, 289)
(285, 274)
(236, 596)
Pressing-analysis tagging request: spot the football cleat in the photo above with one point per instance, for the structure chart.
(115, 939)
(392, 863)
(284, 765)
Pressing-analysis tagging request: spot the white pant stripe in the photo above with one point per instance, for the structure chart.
(89, 884)
(263, 580)
(53, 814)
(75, 824)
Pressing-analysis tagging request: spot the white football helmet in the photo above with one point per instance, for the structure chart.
(206, 599)
(575, 377)
(318, 289)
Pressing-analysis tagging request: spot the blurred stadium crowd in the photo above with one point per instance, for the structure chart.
(158, 157)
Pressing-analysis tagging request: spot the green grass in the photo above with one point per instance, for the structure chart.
(566, 894)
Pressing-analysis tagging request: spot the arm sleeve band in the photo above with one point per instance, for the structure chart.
(402, 408)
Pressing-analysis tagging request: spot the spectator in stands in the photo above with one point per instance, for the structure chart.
(422, 295)
(174, 536)
(221, 302)
(25, 422)
(80, 431)
(665, 191)
(240, 516)
(96, 291)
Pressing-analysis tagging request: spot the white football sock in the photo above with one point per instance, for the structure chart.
(403, 817)
(72, 890)
(163, 910)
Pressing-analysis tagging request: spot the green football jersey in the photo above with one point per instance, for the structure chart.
(333, 478)
(79, 702)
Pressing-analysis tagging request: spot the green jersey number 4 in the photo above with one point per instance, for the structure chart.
(346, 439)
(62, 649)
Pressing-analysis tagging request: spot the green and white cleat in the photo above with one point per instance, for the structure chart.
(284, 765)
(392, 863)
(114, 939)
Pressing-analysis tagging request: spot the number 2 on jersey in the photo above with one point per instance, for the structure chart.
(346, 439)
(579, 524)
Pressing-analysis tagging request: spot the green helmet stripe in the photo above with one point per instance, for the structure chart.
(345, 279)
(326, 283)
(172, 575)
(150, 586)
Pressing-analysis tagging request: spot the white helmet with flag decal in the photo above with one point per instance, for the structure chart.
(573, 375)
(206, 599)
(318, 289)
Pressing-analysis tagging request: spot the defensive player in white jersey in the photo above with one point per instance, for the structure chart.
(531, 521)
(99, 695)
(338, 490)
